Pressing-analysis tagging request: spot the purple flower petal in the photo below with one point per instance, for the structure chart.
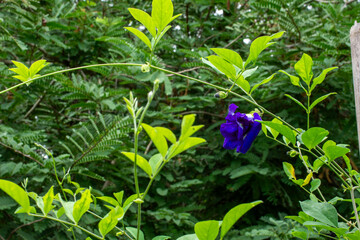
(252, 134)
(229, 130)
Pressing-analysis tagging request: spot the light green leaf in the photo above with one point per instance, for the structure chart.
(162, 13)
(133, 232)
(323, 212)
(110, 200)
(82, 206)
(162, 33)
(315, 184)
(167, 133)
(48, 199)
(184, 145)
(16, 193)
(284, 130)
(304, 68)
(318, 163)
(140, 35)
(319, 79)
(110, 220)
(241, 82)
(36, 67)
(294, 80)
(266, 80)
(157, 138)
(187, 128)
(21, 69)
(230, 56)
(155, 162)
(188, 237)
(68, 207)
(313, 136)
(259, 45)
(273, 132)
(249, 72)
(145, 19)
(119, 197)
(223, 66)
(141, 162)
(353, 236)
(297, 101)
(207, 230)
(210, 65)
(319, 100)
(289, 170)
(234, 214)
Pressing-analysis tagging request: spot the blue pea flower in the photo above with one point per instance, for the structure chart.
(240, 130)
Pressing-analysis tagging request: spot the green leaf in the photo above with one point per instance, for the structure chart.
(109, 222)
(223, 66)
(16, 193)
(234, 214)
(300, 234)
(323, 212)
(230, 56)
(315, 184)
(82, 206)
(162, 13)
(133, 232)
(304, 68)
(245, 85)
(207, 230)
(284, 130)
(155, 162)
(273, 132)
(338, 231)
(145, 19)
(167, 133)
(289, 170)
(161, 237)
(353, 236)
(48, 199)
(319, 100)
(319, 79)
(157, 138)
(297, 101)
(21, 69)
(266, 80)
(259, 45)
(294, 80)
(318, 163)
(184, 145)
(140, 35)
(333, 152)
(141, 162)
(313, 136)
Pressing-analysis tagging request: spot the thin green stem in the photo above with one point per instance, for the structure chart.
(69, 70)
(67, 223)
(138, 222)
(308, 111)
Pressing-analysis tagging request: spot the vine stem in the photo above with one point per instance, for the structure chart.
(69, 70)
(354, 205)
(67, 223)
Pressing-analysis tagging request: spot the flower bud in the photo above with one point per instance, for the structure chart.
(293, 153)
(156, 84)
(221, 95)
(145, 68)
(138, 201)
(150, 95)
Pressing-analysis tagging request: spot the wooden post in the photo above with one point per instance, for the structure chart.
(355, 58)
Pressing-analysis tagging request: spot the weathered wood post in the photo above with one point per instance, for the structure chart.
(355, 58)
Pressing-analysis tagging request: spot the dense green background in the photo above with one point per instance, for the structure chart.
(203, 183)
